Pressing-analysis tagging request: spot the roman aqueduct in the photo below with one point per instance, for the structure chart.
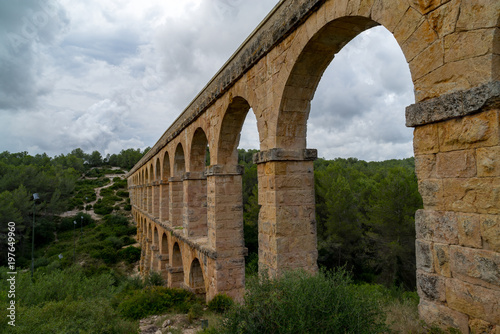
(190, 217)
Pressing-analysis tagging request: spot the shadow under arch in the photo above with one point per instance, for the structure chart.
(176, 277)
(196, 279)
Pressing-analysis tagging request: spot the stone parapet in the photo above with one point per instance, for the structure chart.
(454, 105)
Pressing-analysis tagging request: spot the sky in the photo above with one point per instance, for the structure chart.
(109, 75)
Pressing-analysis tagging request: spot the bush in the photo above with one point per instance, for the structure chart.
(153, 279)
(299, 302)
(154, 300)
(220, 303)
(130, 254)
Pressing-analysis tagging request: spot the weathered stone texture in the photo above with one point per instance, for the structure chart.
(443, 316)
(490, 231)
(473, 300)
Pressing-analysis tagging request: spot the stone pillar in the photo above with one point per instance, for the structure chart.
(287, 222)
(164, 201)
(457, 158)
(162, 266)
(147, 257)
(150, 198)
(156, 199)
(195, 204)
(154, 257)
(225, 228)
(176, 200)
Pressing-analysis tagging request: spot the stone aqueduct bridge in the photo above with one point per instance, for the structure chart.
(190, 217)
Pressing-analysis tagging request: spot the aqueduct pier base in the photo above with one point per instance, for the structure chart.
(190, 217)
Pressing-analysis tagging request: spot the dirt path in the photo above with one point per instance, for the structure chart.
(98, 196)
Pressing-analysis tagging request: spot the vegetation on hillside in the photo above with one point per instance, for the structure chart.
(65, 182)
(82, 282)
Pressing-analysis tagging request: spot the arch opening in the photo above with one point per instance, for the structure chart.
(239, 123)
(196, 280)
(355, 227)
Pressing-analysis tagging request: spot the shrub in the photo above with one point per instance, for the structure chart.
(154, 300)
(130, 254)
(220, 303)
(299, 302)
(195, 312)
(153, 279)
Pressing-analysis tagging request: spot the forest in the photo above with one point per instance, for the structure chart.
(366, 236)
(55, 181)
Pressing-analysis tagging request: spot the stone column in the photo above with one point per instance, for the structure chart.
(156, 199)
(162, 267)
(154, 257)
(195, 204)
(176, 200)
(287, 222)
(225, 228)
(164, 201)
(457, 158)
(149, 195)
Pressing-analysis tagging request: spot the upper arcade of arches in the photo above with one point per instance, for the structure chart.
(435, 37)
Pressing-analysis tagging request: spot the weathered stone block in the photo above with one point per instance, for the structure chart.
(479, 195)
(488, 161)
(441, 253)
(425, 260)
(444, 18)
(425, 166)
(431, 286)
(463, 45)
(481, 267)
(436, 226)
(490, 232)
(443, 316)
(380, 11)
(473, 300)
(419, 40)
(469, 132)
(425, 139)
(456, 164)
(478, 326)
(455, 76)
(469, 230)
(431, 191)
(478, 14)
(408, 24)
(427, 60)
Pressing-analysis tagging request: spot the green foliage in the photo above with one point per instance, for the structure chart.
(220, 303)
(195, 312)
(299, 302)
(153, 278)
(154, 300)
(365, 213)
(130, 254)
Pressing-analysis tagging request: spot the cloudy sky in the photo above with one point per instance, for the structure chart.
(93, 74)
